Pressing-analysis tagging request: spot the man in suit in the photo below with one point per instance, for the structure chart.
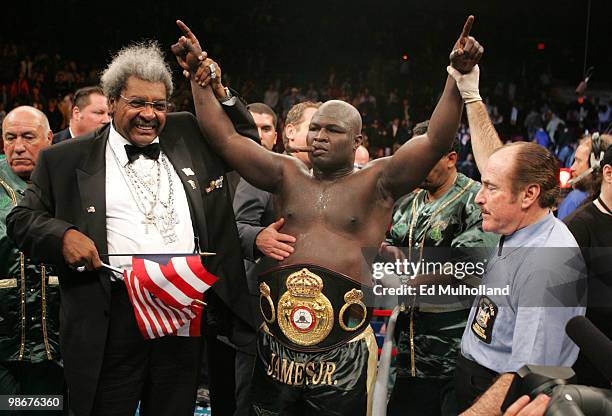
(90, 111)
(118, 190)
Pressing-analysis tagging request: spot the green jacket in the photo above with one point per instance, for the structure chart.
(29, 292)
(428, 343)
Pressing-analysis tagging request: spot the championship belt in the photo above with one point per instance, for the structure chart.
(310, 308)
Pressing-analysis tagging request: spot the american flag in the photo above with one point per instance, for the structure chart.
(167, 294)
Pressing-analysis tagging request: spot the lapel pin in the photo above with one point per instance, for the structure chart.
(91, 209)
(215, 184)
(188, 172)
(192, 183)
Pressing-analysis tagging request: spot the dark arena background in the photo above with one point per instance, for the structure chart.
(546, 73)
(536, 52)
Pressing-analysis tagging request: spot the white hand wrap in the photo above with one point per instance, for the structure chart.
(467, 83)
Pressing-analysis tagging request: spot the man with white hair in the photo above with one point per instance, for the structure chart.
(29, 295)
(146, 183)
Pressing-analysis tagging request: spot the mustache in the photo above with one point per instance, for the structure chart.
(146, 123)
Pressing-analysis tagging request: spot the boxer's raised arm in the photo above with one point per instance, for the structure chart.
(412, 162)
(408, 167)
(260, 167)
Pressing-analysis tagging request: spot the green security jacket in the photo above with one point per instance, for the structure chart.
(29, 292)
(437, 335)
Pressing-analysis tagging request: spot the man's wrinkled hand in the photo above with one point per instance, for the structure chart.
(79, 250)
(274, 244)
(467, 51)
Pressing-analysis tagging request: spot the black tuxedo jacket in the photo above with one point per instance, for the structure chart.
(62, 135)
(68, 191)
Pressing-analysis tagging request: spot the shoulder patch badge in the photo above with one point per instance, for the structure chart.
(484, 319)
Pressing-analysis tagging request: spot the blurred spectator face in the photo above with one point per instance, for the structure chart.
(501, 209)
(90, 117)
(296, 134)
(24, 135)
(362, 157)
(138, 122)
(581, 159)
(266, 129)
(440, 172)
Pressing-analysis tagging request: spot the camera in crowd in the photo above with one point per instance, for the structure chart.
(566, 399)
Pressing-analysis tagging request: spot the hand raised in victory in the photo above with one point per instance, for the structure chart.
(204, 70)
(467, 51)
(187, 50)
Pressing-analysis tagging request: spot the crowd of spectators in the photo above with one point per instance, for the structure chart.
(391, 96)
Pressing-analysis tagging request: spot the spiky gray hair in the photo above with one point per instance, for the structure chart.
(143, 60)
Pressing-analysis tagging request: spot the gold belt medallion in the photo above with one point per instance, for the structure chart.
(304, 314)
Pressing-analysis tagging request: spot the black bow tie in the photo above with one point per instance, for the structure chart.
(151, 151)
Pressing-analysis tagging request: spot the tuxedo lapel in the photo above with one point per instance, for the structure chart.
(91, 178)
(192, 176)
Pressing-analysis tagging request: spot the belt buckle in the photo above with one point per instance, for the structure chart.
(305, 315)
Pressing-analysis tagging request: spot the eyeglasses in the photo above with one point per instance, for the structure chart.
(139, 104)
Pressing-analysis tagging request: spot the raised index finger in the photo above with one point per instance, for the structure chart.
(466, 27)
(186, 29)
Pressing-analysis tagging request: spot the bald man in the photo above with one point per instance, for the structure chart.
(29, 296)
(316, 350)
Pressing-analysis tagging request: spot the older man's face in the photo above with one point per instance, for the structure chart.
(24, 137)
(138, 123)
(501, 210)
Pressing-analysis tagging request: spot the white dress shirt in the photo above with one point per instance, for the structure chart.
(127, 231)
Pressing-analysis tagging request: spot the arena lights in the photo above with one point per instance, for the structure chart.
(564, 177)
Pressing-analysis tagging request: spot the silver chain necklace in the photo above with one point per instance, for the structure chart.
(147, 198)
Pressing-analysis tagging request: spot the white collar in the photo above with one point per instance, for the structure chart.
(117, 143)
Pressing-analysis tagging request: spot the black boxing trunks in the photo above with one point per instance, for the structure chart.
(316, 351)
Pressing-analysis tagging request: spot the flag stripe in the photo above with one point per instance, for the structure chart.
(180, 281)
(160, 286)
(159, 316)
(154, 325)
(141, 311)
(163, 295)
(185, 279)
(144, 329)
(196, 266)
